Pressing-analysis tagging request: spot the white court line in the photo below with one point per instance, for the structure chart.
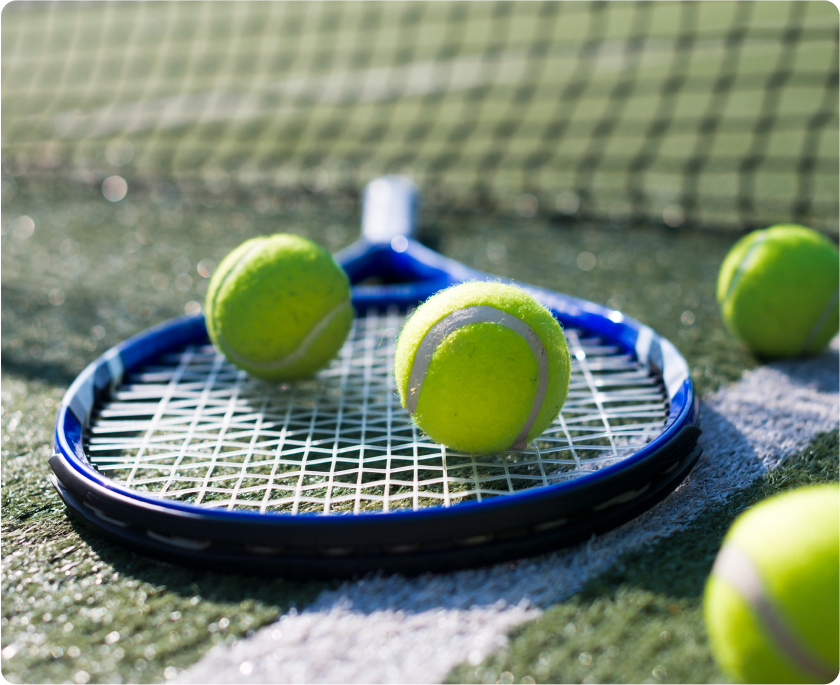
(398, 630)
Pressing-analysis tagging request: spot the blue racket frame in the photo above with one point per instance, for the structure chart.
(524, 522)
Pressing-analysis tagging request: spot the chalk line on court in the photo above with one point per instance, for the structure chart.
(398, 630)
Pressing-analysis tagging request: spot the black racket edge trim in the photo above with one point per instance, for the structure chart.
(333, 563)
(339, 532)
(500, 514)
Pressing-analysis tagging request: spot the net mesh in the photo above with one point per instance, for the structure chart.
(715, 114)
(193, 428)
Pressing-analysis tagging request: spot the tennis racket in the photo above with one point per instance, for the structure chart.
(165, 447)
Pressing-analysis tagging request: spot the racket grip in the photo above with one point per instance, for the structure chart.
(390, 206)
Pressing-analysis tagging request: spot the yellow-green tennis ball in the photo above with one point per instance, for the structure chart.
(778, 291)
(771, 603)
(279, 307)
(482, 367)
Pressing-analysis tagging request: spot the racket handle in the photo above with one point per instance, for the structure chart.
(390, 205)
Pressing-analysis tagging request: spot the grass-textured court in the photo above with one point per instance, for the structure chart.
(62, 567)
(610, 151)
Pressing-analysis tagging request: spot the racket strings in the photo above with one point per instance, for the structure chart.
(193, 428)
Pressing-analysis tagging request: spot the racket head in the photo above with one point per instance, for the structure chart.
(407, 539)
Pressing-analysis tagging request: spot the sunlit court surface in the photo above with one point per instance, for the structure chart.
(614, 152)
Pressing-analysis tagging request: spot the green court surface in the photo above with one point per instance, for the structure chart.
(76, 604)
(612, 151)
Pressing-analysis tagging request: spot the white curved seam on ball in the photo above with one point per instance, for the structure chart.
(479, 314)
(821, 321)
(744, 264)
(737, 569)
(293, 356)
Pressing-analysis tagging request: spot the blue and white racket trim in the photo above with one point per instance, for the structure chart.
(164, 446)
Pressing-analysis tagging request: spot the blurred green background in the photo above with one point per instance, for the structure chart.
(715, 114)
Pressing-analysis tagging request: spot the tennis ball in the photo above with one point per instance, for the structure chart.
(279, 307)
(482, 367)
(778, 289)
(771, 602)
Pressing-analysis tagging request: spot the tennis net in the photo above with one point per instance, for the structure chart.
(719, 115)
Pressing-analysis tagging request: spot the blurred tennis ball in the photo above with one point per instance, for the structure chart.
(279, 307)
(482, 367)
(771, 602)
(778, 291)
